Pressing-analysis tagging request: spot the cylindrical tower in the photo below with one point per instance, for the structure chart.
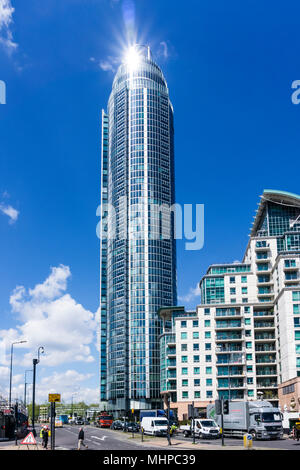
(141, 252)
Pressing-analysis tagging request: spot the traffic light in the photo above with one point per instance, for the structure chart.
(190, 412)
(226, 407)
(218, 407)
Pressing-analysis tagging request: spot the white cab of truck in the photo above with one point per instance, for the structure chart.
(204, 428)
(154, 426)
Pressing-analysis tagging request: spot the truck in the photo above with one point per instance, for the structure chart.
(259, 418)
(158, 414)
(104, 420)
(64, 419)
(155, 426)
(204, 428)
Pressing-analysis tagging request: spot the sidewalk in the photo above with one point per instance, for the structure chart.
(162, 444)
(22, 447)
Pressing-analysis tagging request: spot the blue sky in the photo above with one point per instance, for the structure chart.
(229, 67)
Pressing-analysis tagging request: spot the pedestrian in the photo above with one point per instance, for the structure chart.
(81, 439)
(45, 436)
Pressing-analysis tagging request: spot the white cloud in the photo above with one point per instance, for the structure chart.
(50, 317)
(12, 213)
(110, 64)
(67, 383)
(192, 295)
(164, 49)
(6, 36)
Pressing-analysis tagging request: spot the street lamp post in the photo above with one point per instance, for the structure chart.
(11, 363)
(35, 362)
(25, 387)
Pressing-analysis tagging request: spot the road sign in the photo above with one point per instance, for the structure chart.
(29, 440)
(54, 397)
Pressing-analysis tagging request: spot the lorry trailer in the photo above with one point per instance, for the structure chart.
(258, 418)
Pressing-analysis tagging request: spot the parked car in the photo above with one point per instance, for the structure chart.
(132, 427)
(117, 424)
(79, 421)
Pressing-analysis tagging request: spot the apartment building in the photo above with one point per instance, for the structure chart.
(244, 338)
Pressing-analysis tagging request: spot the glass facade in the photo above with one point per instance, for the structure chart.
(141, 260)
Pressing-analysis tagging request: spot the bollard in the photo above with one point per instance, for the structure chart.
(248, 441)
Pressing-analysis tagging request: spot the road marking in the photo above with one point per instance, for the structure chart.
(100, 438)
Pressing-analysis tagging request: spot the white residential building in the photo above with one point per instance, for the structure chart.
(244, 338)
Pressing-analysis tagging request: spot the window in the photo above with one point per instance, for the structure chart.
(185, 394)
(207, 334)
(232, 290)
(184, 335)
(208, 370)
(247, 321)
(290, 263)
(185, 383)
(296, 322)
(183, 324)
(245, 300)
(208, 358)
(209, 382)
(195, 347)
(233, 301)
(232, 280)
(249, 357)
(250, 380)
(247, 309)
(195, 323)
(197, 394)
(244, 290)
(250, 368)
(247, 333)
(207, 346)
(209, 394)
(184, 358)
(296, 295)
(297, 334)
(196, 358)
(184, 371)
(298, 348)
(244, 279)
(196, 382)
(195, 334)
(296, 309)
(184, 347)
(196, 370)
(248, 345)
(207, 323)
(250, 393)
(207, 311)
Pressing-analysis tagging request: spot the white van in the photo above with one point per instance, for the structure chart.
(155, 426)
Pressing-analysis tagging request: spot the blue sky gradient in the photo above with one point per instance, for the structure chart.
(229, 67)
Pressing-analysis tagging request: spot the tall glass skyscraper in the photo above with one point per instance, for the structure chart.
(138, 253)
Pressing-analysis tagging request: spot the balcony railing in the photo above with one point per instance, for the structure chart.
(263, 313)
(226, 337)
(266, 371)
(263, 324)
(264, 336)
(265, 359)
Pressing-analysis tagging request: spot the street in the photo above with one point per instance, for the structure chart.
(96, 439)
(66, 438)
